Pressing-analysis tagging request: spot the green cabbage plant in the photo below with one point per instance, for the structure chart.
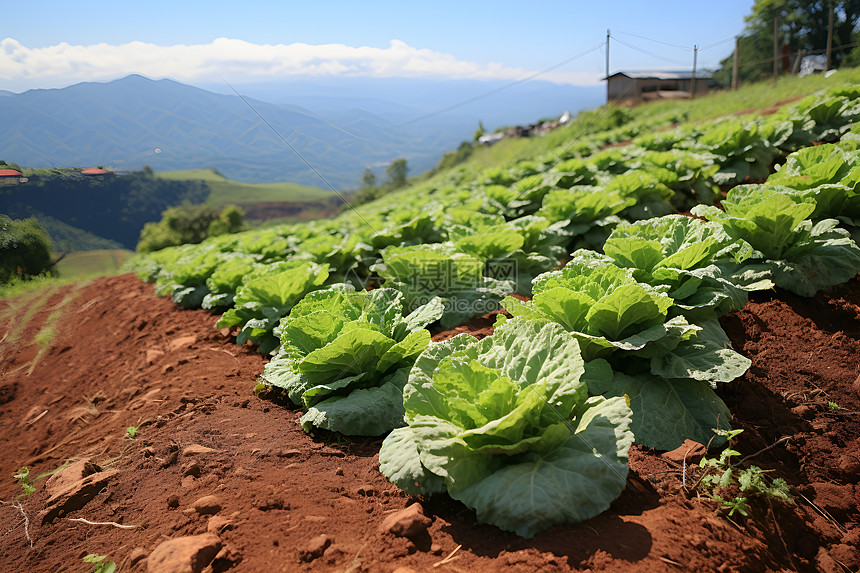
(505, 425)
(801, 255)
(345, 356)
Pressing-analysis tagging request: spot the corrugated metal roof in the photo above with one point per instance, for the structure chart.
(662, 75)
(9, 173)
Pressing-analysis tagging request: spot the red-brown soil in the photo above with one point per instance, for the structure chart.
(122, 357)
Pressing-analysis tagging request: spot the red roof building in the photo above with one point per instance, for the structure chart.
(10, 173)
(94, 171)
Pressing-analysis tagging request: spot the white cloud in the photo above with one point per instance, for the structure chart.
(239, 61)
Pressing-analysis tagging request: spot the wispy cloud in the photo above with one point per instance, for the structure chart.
(240, 61)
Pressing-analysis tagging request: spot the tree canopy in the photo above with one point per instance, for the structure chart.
(802, 25)
(189, 224)
(397, 173)
(25, 249)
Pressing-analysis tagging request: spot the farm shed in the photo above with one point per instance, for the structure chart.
(94, 171)
(10, 176)
(647, 86)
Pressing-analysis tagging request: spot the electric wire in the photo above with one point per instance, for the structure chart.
(300, 156)
(715, 44)
(689, 49)
(648, 53)
(504, 87)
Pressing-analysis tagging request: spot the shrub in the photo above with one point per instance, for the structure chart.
(25, 249)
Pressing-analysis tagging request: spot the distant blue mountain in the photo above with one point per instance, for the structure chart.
(338, 127)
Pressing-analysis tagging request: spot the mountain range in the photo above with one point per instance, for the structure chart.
(281, 131)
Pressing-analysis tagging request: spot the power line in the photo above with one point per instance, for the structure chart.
(689, 49)
(715, 44)
(300, 156)
(504, 87)
(647, 53)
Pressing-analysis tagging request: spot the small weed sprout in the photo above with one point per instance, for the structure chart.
(832, 405)
(721, 476)
(99, 563)
(131, 432)
(23, 477)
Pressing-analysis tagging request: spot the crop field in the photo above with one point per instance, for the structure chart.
(225, 191)
(636, 348)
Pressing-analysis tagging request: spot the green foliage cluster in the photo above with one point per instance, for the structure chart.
(25, 249)
(802, 25)
(495, 422)
(189, 223)
(26, 481)
(100, 563)
(396, 173)
(725, 482)
(345, 352)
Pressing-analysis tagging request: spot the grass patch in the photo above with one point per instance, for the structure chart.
(225, 191)
(89, 264)
(19, 311)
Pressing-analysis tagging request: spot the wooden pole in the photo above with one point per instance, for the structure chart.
(735, 79)
(607, 67)
(829, 36)
(607, 53)
(693, 79)
(775, 48)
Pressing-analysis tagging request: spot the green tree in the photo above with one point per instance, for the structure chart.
(25, 249)
(397, 173)
(479, 132)
(369, 178)
(189, 224)
(800, 23)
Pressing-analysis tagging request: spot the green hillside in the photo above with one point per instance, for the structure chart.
(749, 100)
(226, 191)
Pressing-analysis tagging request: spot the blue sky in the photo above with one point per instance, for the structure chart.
(58, 43)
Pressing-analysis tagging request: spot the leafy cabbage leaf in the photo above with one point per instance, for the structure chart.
(506, 426)
(423, 272)
(345, 355)
(261, 302)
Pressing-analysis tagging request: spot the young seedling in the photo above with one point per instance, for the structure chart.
(99, 563)
(131, 432)
(23, 477)
(832, 405)
(721, 476)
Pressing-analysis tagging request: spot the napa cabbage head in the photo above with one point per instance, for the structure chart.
(605, 308)
(261, 301)
(505, 425)
(345, 355)
(800, 255)
(687, 258)
(422, 272)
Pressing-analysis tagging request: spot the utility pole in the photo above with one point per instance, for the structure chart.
(607, 53)
(829, 35)
(775, 48)
(735, 79)
(693, 79)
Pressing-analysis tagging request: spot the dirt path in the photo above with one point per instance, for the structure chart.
(80, 366)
